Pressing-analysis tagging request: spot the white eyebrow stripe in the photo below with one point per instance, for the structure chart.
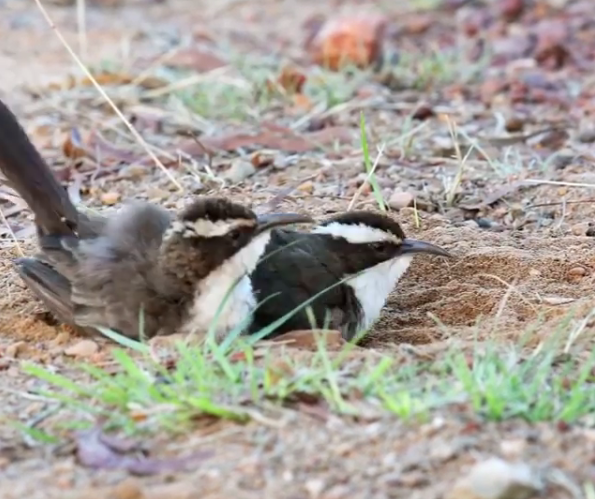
(209, 228)
(356, 233)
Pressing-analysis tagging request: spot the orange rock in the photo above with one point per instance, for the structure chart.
(354, 39)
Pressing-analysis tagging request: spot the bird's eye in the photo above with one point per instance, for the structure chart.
(380, 247)
(234, 235)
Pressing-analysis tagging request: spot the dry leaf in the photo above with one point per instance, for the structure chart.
(195, 59)
(73, 147)
(99, 451)
(354, 39)
(292, 80)
(277, 371)
(301, 103)
(309, 338)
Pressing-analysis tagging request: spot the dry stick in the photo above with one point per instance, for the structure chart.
(556, 203)
(88, 74)
(13, 235)
(579, 330)
(450, 195)
(554, 182)
(512, 288)
(143, 75)
(368, 177)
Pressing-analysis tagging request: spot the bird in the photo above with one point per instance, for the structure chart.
(344, 268)
(142, 271)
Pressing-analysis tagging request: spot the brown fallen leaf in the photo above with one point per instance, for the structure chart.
(96, 450)
(292, 80)
(511, 10)
(196, 59)
(349, 39)
(73, 146)
(309, 338)
(301, 103)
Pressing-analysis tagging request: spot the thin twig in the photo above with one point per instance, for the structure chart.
(12, 234)
(102, 92)
(555, 182)
(557, 203)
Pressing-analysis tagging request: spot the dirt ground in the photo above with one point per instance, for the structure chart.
(524, 254)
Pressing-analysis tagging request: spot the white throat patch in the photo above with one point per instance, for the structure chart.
(356, 233)
(212, 290)
(373, 286)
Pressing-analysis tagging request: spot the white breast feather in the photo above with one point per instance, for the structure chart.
(212, 290)
(373, 286)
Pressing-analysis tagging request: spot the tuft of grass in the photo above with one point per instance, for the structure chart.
(496, 383)
(368, 165)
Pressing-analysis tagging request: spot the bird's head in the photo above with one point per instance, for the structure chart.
(368, 239)
(211, 231)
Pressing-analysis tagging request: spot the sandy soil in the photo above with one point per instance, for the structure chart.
(533, 266)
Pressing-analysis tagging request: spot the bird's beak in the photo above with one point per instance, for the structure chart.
(269, 221)
(416, 246)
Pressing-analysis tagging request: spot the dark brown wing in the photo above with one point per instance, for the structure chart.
(51, 287)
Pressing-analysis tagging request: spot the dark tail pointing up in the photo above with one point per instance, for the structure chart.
(29, 174)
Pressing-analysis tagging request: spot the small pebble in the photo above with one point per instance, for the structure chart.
(513, 448)
(15, 349)
(240, 170)
(110, 198)
(576, 272)
(497, 479)
(129, 488)
(587, 136)
(314, 487)
(307, 187)
(134, 172)
(514, 124)
(400, 200)
(484, 223)
(84, 348)
(580, 229)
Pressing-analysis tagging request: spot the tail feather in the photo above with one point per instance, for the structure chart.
(51, 287)
(29, 174)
